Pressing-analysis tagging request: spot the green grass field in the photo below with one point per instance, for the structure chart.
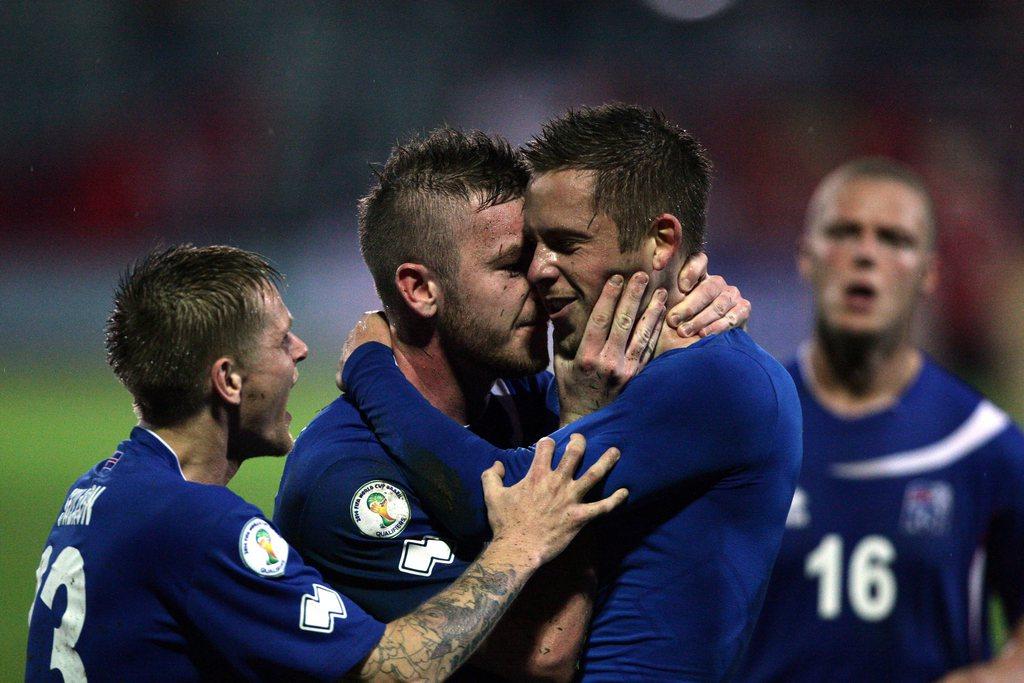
(57, 423)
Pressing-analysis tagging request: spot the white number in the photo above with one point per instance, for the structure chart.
(68, 570)
(827, 562)
(420, 556)
(871, 584)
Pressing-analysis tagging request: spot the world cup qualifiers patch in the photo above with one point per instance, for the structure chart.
(380, 509)
(262, 549)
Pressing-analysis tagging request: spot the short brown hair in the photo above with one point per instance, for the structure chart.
(644, 164)
(175, 312)
(876, 168)
(406, 216)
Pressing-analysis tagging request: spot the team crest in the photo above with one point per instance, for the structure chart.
(380, 509)
(927, 507)
(262, 549)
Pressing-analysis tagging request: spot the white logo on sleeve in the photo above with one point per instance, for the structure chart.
(321, 609)
(262, 549)
(380, 509)
(420, 556)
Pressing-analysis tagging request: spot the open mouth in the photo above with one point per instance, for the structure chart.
(860, 296)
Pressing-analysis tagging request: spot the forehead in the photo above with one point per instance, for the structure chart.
(276, 314)
(491, 229)
(873, 201)
(560, 198)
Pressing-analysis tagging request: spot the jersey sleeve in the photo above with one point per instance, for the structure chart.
(265, 612)
(690, 414)
(1005, 545)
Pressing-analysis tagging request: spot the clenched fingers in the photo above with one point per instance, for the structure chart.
(693, 271)
(734, 318)
(647, 330)
(697, 301)
(596, 332)
(625, 314)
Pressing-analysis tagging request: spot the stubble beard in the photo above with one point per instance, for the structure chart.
(484, 350)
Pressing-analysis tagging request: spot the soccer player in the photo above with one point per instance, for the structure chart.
(154, 569)
(710, 433)
(442, 234)
(909, 512)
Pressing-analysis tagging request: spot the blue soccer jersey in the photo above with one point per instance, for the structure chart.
(354, 515)
(146, 576)
(904, 522)
(710, 441)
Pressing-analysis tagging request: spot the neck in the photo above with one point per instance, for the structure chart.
(201, 446)
(855, 375)
(453, 388)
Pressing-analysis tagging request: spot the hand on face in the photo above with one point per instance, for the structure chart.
(372, 327)
(614, 348)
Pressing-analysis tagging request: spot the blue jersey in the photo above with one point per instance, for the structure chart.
(903, 523)
(355, 516)
(148, 576)
(710, 441)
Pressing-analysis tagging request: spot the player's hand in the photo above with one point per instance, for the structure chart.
(372, 327)
(537, 517)
(709, 304)
(614, 348)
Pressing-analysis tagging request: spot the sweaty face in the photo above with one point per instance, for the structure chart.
(269, 374)
(490, 316)
(576, 251)
(868, 256)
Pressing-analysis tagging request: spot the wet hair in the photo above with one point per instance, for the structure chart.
(407, 215)
(644, 166)
(175, 312)
(874, 168)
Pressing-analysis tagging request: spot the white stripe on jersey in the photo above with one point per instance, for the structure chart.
(984, 423)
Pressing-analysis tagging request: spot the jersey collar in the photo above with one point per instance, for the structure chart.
(159, 447)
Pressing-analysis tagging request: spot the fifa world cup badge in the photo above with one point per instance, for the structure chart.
(262, 549)
(380, 509)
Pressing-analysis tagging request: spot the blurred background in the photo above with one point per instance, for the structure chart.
(124, 126)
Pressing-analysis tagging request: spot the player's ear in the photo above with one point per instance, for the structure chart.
(226, 379)
(419, 288)
(665, 238)
(803, 257)
(931, 273)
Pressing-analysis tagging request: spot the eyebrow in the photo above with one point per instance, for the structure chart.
(561, 229)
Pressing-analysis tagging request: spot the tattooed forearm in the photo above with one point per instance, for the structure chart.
(433, 641)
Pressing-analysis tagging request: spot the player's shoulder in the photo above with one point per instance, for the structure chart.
(336, 433)
(726, 363)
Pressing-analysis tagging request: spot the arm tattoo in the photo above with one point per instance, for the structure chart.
(435, 639)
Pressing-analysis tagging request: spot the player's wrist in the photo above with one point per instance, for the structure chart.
(514, 551)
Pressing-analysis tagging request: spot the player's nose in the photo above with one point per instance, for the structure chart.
(543, 267)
